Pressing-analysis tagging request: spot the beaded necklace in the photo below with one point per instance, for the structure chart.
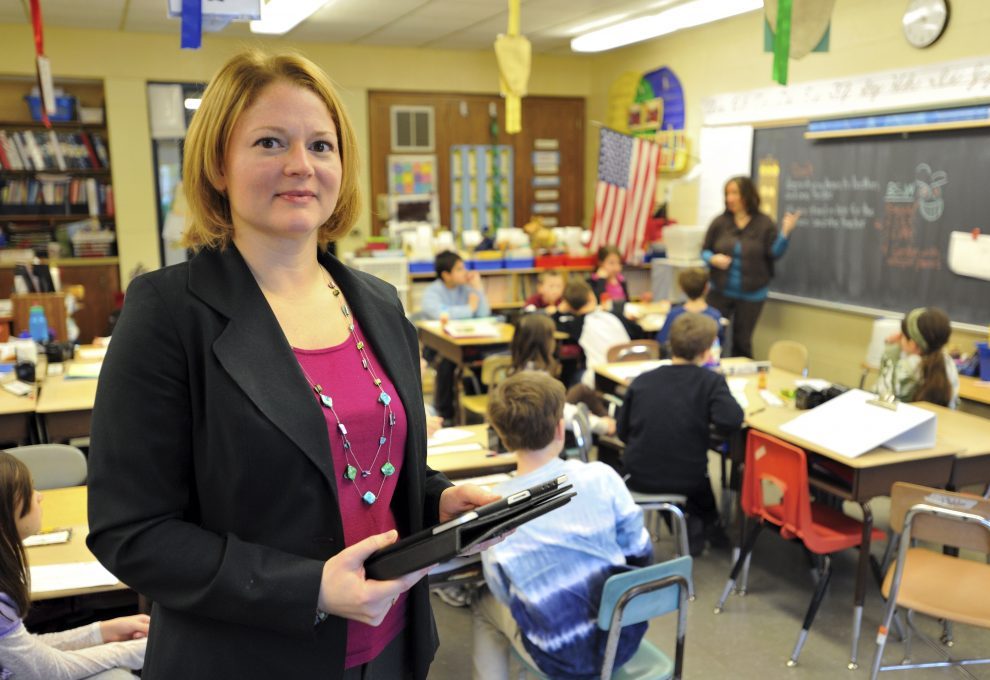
(354, 466)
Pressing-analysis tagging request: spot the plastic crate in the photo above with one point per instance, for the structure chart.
(421, 268)
(519, 263)
(983, 349)
(550, 261)
(65, 108)
(484, 265)
(394, 270)
(93, 243)
(580, 261)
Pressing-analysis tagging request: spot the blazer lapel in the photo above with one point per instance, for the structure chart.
(254, 352)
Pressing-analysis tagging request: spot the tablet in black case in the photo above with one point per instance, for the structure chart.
(446, 540)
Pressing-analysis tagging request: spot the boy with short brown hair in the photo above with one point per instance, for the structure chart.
(666, 421)
(694, 283)
(547, 614)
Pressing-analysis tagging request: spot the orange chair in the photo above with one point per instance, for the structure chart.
(822, 530)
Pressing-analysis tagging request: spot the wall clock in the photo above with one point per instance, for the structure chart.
(924, 21)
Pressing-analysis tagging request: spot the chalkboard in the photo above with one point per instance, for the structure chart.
(878, 214)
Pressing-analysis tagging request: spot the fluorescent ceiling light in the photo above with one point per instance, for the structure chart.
(281, 16)
(687, 15)
(192, 103)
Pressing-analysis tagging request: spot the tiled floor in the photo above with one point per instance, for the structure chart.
(753, 637)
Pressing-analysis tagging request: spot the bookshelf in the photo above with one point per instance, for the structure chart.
(42, 202)
(52, 180)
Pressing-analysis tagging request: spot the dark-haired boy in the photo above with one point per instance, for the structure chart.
(545, 580)
(457, 293)
(666, 421)
(694, 283)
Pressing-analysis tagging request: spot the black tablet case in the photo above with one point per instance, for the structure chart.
(425, 548)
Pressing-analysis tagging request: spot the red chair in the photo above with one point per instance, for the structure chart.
(821, 529)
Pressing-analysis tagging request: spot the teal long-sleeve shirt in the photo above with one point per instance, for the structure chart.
(733, 286)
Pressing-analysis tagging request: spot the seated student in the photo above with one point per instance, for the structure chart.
(591, 328)
(915, 366)
(549, 291)
(532, 349)
(546, 579)
(607, 279)
(694, 283)
(80, 653)
(458, 294)
(665, 422)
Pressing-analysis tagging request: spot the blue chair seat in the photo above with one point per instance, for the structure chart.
(648, 663)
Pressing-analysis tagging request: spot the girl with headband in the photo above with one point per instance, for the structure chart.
(915, 366)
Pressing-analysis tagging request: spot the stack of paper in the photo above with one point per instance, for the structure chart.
(54, 577)
(471, 329)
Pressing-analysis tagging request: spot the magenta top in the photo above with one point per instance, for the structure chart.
(355, 398)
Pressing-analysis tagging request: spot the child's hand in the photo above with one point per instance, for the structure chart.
(893, 338)
(433, 424)
(125, 628)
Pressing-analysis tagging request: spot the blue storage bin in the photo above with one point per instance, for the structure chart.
(484, 265)
(65, 108)
(519, 263)
(421, 268)
(984, 351)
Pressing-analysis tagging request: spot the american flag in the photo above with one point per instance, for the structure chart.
(627, 176)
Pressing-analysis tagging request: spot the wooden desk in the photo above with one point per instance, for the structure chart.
(650, 316)
(971, 435)
(471, 463)
(974, 389)
(17, 417)
(64, 509)
(65, 407)
(460, 350)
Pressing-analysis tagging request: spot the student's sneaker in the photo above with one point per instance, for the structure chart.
(455, 596)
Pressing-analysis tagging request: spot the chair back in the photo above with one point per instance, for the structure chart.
(643, 594)
(581, 429)
(494, 368)
(53, 466)
(771, 460)
(941, 528)
(790, 356)
(635, 350)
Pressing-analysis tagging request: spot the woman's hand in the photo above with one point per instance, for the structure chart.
(459, 499)
(346, 592)
(720, 261)
(125, 628)
(789, 222)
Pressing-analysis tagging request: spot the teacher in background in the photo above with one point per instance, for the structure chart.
(259, 427)
(740, 248)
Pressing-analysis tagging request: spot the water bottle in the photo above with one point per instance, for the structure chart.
(716, 354)
(38, 324)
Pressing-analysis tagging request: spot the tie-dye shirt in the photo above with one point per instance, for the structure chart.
(550, 572)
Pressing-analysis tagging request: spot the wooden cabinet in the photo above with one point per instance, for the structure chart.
(101, 279)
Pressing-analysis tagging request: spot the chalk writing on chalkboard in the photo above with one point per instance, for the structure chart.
(877, 217)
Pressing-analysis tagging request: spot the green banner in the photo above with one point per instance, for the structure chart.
(782, 42)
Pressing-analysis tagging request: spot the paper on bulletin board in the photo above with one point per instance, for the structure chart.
(969, 255)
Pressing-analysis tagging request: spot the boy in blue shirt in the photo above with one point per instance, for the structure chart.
(458, 294)
(694, 283)
(545, 580)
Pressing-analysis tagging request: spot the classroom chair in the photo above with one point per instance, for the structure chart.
(820, 528)
(634, 350)
(927, 581)
(494, 368)
(580, 435)
(790, 356)
(633, 597)
(52, 466)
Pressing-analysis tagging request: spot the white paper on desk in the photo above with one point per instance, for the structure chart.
(453, 448)
(84, 369)
(48, 578)
(471, 329)
(737, 387)
(91, 353)
(851, 427)
(635, 369)
(448, 435)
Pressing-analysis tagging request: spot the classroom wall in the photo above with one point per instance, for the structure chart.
(728, 56)
(127, 61)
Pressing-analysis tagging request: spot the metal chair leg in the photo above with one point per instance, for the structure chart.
(737, 567)
(809, 617)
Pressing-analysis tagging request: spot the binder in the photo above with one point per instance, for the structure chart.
(856, 422)
(447, 540)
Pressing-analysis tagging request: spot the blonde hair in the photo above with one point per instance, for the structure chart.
(234, 88)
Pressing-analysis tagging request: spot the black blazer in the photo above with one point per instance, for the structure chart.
(211, 485)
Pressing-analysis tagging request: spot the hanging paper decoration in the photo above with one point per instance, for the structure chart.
(782, 42)
(514, 55)
(44, 68)
(808, 30)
